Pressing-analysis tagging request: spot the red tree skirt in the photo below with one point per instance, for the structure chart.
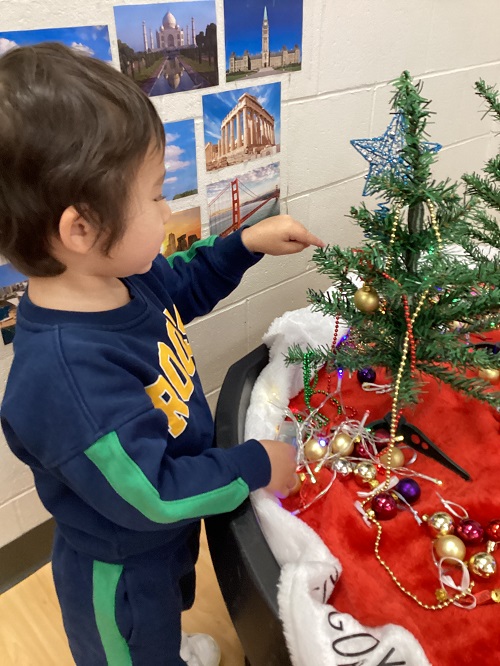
(469, 432)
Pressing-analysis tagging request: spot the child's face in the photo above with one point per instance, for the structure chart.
(147, 214)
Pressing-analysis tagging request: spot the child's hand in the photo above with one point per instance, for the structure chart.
(283, 466)
(278, 235)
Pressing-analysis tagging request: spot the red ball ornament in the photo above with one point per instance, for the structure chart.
(385, 506)
(361, 450)
(493, 530)
(470, 531)
(382, 438)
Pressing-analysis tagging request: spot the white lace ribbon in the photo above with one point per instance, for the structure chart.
(447, 581)
(448, 504)
(376, 388)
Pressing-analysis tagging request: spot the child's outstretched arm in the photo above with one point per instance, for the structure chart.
(198, 279)
(279, 235)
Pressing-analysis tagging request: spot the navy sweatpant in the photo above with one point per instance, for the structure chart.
(126, 614)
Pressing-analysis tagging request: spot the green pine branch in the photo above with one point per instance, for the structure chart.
(491, 97)
(414, 106)
(471, 387)
(487, 187)
(484, 188)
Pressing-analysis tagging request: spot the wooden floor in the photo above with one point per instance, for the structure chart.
(31, 631)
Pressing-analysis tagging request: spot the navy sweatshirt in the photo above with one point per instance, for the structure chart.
(108, 411)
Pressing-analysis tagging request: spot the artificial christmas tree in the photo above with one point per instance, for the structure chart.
(419, 302)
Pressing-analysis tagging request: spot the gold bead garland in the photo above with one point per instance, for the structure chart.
(444, 600)
(408, 350)
(443, 603)
(434, 224)
(397, 219)
(395, 223)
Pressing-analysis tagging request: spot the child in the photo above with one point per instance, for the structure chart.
(103, 401)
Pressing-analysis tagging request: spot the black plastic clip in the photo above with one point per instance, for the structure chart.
(417, 440)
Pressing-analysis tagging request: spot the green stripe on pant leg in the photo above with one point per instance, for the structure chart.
(105, 579)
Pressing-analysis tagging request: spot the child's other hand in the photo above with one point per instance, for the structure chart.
(278, 235)
(283, 466)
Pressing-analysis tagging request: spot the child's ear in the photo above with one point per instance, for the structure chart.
(76, 233)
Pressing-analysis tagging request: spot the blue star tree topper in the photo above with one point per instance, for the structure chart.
(384, 152)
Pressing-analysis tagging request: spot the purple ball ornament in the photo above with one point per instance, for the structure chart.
(384, 506)
(408, 489)
(367, 375)
(470, 531)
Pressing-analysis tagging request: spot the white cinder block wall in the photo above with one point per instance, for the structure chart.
(351, 51)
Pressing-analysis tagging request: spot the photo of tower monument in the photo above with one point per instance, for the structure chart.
(241, 125)
(263, 38)
(168, 47)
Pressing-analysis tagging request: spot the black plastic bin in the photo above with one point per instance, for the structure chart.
(244, 564)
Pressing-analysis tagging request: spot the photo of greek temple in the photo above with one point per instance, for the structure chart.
(249, 129)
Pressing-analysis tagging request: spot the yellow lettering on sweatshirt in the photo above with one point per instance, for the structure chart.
(174, 386)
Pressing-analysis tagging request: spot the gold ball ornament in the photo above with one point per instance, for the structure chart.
(441, 595)
(491, 375)
(366, 299)
(397, 457)
(365, 474)
(440, 523)
(483, 565)
(449, 546)
(342, 443)
(314, 450)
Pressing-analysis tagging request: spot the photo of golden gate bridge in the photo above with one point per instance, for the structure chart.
(244, 199)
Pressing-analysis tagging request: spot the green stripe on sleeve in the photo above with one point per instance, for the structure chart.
(105, 579)
(187, 255)
(130, 482)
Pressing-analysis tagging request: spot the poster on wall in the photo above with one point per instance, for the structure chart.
(244, 199)
(168, 47)
(263, 37)
(90, 39)
(181, 178)
(183, 229)
(241, 125)
(12, 286)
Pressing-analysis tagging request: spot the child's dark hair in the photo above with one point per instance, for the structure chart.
(73, 132)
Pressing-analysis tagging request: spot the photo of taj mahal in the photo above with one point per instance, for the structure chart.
(168, 47)
(263, 38)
